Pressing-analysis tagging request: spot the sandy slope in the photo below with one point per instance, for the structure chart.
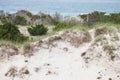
(63, 61)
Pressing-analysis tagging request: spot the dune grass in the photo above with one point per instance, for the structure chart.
(110, 26)
(15, 43)
(85, 27)
(106, 25)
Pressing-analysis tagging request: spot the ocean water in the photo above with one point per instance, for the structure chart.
(65, 8)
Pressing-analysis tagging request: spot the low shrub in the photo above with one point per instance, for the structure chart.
(10, 32)
(115, 18)
(37, 30)
(96, 16)
(3, 19)
(20, 20)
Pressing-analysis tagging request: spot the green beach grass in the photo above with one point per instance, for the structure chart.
(109, 26)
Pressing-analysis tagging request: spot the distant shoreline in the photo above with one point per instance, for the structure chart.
(64, 8)
(62, 14)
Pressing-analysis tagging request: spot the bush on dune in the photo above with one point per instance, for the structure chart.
(10, 32)
(96, 17)
(3, 19)
(115, 18)
(20, 20)
(37, 30)
(93, 17)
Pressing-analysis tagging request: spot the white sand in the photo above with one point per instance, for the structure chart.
(58, 64)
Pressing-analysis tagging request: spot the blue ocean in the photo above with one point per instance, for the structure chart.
(65, 8)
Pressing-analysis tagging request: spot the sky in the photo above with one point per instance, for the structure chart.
(92, 1)
(70, 0)
(83, 0)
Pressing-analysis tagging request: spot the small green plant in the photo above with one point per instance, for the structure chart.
(37, 30)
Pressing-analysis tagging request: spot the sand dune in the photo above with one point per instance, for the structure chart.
(71, 55)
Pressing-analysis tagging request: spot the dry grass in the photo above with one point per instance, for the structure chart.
(12, 72)
(7, 51)
(28, 50)
(76, 38)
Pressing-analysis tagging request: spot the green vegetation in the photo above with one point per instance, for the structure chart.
(64, 26)
(20, 20)
(60, 26)
(92, 18)
(3, 19)
(99, 21)
(54, 21)
(11, 32)
(34, 17)
(97, 16)
(29, 14)
(109, 48)
(37, 30)
(115, 18)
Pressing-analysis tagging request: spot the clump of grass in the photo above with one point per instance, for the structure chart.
(80, 27)
(115, 37)
(27, 50)
(111, 27)
(15, 43)
(75, 39)
(109, 48)
(99, 38)
(45, 36)
(12, 72)
(61, 26)
(100, 31)
(64, 26)
(24, 70)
